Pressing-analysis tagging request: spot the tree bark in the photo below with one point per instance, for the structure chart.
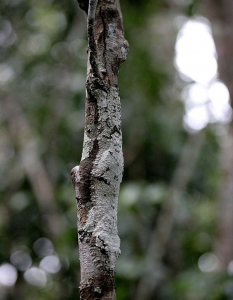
(97, 179)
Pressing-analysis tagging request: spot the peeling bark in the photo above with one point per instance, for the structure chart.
(97, 179)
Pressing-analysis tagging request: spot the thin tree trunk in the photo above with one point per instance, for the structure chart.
(220, 13)
(97, 178)
(224, 242)
(162, 231)
(33, 167)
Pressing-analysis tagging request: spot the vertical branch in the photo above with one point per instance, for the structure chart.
(97, 178)
(32, 165)
(224, 241)
(162, 231)
(220, 13)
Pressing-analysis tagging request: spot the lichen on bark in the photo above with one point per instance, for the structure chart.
(97, 179)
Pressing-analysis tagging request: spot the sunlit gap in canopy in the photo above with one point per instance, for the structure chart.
(206, 98)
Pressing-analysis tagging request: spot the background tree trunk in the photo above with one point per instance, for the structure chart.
(97, 179)
(161, 233)
(220, 13)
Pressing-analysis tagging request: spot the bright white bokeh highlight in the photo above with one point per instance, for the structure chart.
(51, 264)
(207, 99)
(195, 52)
(220, 102)
(206, 104)
(196, 118)
(198, 93)
(8, 275)
(36, 277)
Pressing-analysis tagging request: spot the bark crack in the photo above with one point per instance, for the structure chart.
(104, 72)
(85, 169)
(91, 37)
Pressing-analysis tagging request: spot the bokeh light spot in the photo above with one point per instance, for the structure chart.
(50, 264)
(43, 247)
(35, 277)
(195, 52)
(8, 274)
(196, 118)
(208, 262)
(21, 260)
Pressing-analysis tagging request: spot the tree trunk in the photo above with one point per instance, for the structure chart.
(97, 179)
(158, 245)
(220, 13)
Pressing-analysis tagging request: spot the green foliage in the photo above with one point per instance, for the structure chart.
(42, 83)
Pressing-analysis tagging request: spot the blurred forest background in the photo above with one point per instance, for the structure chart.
(176, 202)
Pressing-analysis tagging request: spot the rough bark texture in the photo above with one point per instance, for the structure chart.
(97, 179)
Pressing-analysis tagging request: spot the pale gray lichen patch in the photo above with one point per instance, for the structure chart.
(111, 244)
(124, 53)
(112, 30)
(87, 266)
(87, 146)
(98, 290)
(76, 178)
